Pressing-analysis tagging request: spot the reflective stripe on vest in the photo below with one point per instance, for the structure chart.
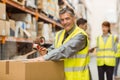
(79, 56)
(105, 56)
(72, 69)
(107, 49)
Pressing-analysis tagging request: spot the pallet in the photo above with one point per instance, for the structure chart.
(20, 2)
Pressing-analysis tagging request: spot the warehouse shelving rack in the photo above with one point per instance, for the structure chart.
(31, 11)
(67, 4)
(35, 13)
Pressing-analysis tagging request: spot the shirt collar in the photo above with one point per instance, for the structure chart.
(106, 35)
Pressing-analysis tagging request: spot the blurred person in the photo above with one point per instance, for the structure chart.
(71, 45)
(117, 62)
(82, 23)
(106, 52)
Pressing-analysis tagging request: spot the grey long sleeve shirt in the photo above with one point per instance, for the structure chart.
(68, 49)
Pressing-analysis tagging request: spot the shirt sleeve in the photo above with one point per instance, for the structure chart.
(51, 48)
(68, 49)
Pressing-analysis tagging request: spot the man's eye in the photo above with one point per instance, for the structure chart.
(67, 18)
(62, 19)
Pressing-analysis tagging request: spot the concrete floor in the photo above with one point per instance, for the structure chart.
(93, 68)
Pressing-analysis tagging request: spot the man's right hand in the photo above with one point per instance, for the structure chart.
(42, 51)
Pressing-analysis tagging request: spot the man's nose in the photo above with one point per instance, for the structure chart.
(65, 21)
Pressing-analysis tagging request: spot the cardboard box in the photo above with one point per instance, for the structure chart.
(39, 4)
(31, 3)
(22, 17)
(45, 6)
(12, 24)
(20, 2)
(7, 28)
(12, 27)
(2, 67)
(40, 29)
(4, 70)
(47, 32)
(20, 27)
(53, 7)
(24, 70)
(2, 11)
(4, 27)
(34, 24)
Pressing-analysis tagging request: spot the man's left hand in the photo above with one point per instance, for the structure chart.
(41, 59)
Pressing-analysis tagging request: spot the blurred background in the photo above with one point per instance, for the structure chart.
(25, 22)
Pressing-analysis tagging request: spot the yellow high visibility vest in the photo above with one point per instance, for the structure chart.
(105, 51)
(118, 51)
(75, 67)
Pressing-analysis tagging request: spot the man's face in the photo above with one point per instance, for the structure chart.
(67, 21)
(83, 26)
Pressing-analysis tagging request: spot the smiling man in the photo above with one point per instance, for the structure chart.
(71, 44)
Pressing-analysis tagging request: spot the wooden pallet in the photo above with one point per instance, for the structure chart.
(21, 2)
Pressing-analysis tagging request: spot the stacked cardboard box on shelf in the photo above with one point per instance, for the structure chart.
(51, 34)
(49, 7)
(2, 11)
(12, 27)
(12, 24)
(25, 24)
(31, 3)
(25, 70)
(40, 29)
(4, 28)
(21, 2)
(25, 17)
(47, 32)
(39, 4)
(32, 28)
(53, 7)
(3, 24)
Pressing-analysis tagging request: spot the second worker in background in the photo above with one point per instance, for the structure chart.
(106, 44)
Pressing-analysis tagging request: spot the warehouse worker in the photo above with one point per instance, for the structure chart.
(106, 52)
(71, 44)
(82, 23)
(117, 62)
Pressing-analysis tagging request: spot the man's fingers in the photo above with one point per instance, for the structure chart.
(43, 49)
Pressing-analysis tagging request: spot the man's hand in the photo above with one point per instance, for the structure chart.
(92, 50)
(42, 51)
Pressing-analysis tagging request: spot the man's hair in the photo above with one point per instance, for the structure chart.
(67, 10)
(81, 21)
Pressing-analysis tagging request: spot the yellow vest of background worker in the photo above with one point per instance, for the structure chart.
(105, 51)
(118, 51)
(76, 67)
